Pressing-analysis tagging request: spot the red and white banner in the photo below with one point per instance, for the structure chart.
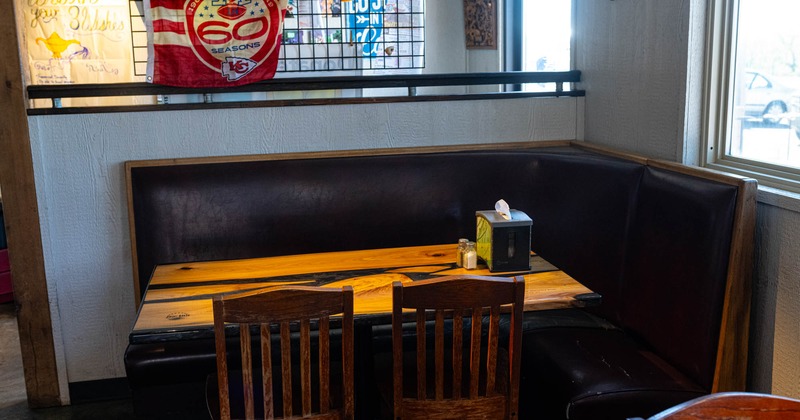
(213, 43)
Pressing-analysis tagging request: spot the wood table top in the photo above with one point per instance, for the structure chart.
(178, 298)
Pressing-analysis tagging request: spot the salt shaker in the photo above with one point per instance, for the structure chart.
(471, 256)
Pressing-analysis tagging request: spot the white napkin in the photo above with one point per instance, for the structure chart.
(502, 207)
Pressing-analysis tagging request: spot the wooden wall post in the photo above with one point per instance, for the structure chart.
(21, 213)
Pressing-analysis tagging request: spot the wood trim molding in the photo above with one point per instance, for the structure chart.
(732, 354)
(21, 212)
(137, 292)
(526, 144)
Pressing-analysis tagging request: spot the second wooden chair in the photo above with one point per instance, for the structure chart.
(477, 377)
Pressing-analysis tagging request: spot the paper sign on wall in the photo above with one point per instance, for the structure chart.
(80, 41)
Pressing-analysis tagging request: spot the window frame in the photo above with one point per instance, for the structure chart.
(722, 30)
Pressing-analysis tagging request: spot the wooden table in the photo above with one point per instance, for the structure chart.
(177, 304)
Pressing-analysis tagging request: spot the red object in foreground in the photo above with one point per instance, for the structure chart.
(6, 291)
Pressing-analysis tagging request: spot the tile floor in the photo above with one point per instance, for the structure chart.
(13, 400)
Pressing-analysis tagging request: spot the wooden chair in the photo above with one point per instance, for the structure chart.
(476, 387)
(283, 306)
(734, 405)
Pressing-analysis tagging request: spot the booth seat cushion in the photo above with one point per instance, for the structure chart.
(172, 362)
(169, 379)
(559, 318)
(596, 373)
(192, 360)
(531, 321)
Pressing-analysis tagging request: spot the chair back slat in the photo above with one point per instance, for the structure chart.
(305, 366)
(397, 356)
(458, 342)
(247, 371)
(515, 353)
(422, 378)
(489, 392)
(222, 364)
(286, 368)
(475, 353)
(491, 350)
(283, 308)
(324, 365)
(348, 397)
(439, 349)
(266, 371)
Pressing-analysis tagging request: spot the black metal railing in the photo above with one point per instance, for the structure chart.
(509, 83)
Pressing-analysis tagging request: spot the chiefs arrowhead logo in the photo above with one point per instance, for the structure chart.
(234, 68)
(233, 37)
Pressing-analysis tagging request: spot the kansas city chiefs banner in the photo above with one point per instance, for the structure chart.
(213, 43)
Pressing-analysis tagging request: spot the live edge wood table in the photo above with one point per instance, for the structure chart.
(177, 304)
(178, 299)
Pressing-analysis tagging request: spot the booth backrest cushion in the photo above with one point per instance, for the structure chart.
(676, 264)
(579, 202)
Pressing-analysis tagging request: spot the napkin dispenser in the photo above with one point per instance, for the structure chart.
(504, 244)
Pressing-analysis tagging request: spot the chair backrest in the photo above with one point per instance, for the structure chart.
(486, 392)
(283, 306)
(734, 405)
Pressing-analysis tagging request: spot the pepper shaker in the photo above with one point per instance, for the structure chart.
(462, 248)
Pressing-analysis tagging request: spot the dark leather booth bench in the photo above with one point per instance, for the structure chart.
(669, 248)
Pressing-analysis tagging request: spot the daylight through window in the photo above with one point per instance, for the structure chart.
(759, 123)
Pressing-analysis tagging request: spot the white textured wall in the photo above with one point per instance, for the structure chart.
(78, 162)
(633, 57)
(641, 61)
(775, 344)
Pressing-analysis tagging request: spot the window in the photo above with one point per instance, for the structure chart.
(753, 106)
(550, 21)
(540, 37)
